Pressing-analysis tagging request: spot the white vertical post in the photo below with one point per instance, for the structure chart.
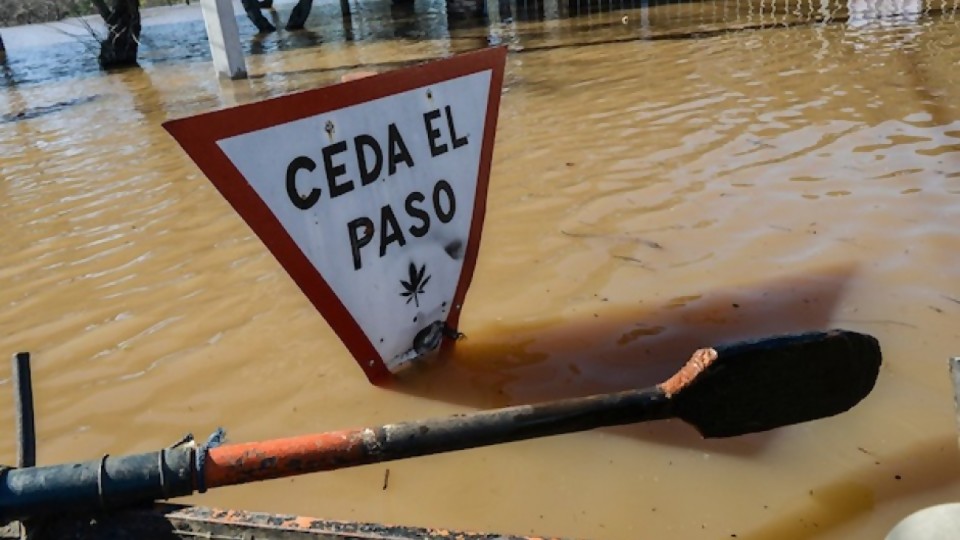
(492, 8)
(224, 36)
(645, 18)
(551, 10)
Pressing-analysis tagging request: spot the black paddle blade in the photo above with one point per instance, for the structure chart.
(773, 382)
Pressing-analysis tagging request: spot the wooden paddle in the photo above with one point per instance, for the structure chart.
(723, 392)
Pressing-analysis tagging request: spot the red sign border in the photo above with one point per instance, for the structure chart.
(198, 135)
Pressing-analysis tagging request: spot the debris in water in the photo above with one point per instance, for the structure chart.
(634, 260)
(43, 110)
(616, 237)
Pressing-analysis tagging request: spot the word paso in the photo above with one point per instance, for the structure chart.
(378, 159)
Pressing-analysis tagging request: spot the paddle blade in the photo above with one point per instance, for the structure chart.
(765, 384)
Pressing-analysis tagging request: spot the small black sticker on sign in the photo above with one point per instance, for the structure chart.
(414, 287)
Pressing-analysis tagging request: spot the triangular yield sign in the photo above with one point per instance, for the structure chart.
(370, 193)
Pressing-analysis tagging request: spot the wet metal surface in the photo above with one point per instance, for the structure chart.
(109, 482)
(163, 522)
(667, 176)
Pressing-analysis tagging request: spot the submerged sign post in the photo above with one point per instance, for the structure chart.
(370, 193)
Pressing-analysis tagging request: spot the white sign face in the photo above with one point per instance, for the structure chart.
(379, 197)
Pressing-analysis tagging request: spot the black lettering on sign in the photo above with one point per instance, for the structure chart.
(368, 175)
(457, 142)
(333, 171)
(389, 230)
(443, 189)
(398, 149)
(417, 213)
(415, 216)
(433, 133)
(360, 232)
(303, 203)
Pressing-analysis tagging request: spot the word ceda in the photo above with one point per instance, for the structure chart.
(374, 158)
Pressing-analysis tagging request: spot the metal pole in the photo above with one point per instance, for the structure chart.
(23, 410)
(102, 484)
(955, 375)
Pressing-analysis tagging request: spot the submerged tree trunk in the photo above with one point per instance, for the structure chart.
(119, 48)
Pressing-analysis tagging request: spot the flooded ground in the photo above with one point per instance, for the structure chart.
(666, 177)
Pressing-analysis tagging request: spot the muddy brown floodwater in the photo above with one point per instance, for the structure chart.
(666, 176)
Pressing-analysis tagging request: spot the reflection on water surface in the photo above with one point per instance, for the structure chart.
(667, 175)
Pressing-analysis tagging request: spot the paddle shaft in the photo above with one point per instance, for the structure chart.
(723, 392)
(113, 482)
(733, 390)
(249, 462)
